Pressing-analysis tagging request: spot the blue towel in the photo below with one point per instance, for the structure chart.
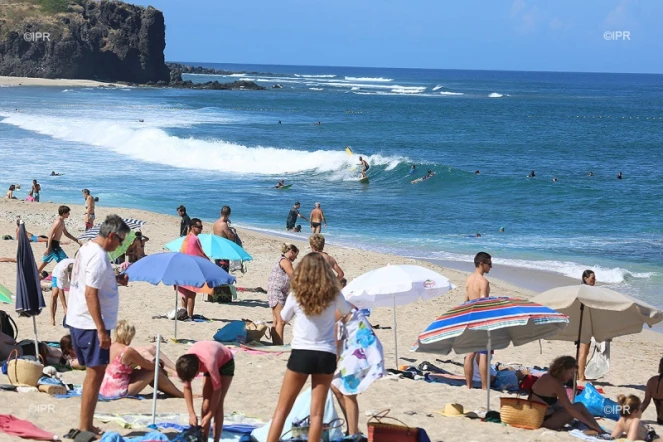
(47, 380)
(77, 392)
(111, 436)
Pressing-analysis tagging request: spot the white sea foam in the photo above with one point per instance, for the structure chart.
(369, 79)
(437, 88)
(355, 88)
(241, 74)
(315, 76)
(408, 90)
(153, 144)
(451, 93)
(317, 88)
(495, 95)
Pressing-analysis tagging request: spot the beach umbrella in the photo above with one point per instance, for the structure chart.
(29, 298)
(214, 246)
(598, 312)
(489, 323)
(5, 294)
(122, 249)
(395, 285)
(134, 224)
(178, 269)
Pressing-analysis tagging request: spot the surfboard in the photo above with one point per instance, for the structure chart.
(363, 180)
(285, 187)
(418, 180)
(348, 150)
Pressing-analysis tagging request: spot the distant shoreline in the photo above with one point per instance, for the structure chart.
(6, 81)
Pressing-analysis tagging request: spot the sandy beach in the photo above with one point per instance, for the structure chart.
(6, 81)
(254, 391)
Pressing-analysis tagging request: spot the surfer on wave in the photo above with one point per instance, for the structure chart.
(280, 184)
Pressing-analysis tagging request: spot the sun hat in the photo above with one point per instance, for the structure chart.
(453, 410)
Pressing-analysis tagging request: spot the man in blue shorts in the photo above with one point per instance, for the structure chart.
(92, 311)
(53, 249)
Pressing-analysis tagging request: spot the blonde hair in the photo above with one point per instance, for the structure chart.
(125, 332)
(628, 405)
(314, 284)
(285, 248)
(317, 242)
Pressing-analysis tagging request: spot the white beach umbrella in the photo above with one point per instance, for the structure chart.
(396, 285)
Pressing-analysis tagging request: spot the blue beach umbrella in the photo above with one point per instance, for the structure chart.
(178, 269)
(215, 247)
(487, 323)
(29, 298)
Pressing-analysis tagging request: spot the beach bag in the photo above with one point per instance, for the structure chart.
(23, 371)
(599, 363)
(382, 429)
(255, 331)
(7, 325)
(299, 430)
(223, 294)
(597, 404)
(234, 331)
(522, 413)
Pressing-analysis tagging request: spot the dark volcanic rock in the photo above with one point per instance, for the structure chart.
(100, 40)
(215, 85)
(187, 69)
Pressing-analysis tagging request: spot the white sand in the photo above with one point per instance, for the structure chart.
(258, 377)
(29, 81)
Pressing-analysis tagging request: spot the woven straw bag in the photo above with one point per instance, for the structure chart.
(379, 431)
(255, 332)
(23, 371)
(522, 413)
(300, 432)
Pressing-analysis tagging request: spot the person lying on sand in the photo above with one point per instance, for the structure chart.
(629, 424)
(121, 379)
(26, 347)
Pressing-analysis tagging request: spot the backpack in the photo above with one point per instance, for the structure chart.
(7, 325)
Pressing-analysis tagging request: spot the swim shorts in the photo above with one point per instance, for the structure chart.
(87, 347)
(227, 369)
(56, 254)
(54, 282)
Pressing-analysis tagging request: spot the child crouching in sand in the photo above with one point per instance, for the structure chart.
(629, 424)
(218, 365)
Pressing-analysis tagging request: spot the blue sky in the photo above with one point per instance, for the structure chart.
(554, 35)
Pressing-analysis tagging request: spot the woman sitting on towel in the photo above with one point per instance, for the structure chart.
(550, 389)
(654, 392)
(316, 296)
(122, 378)
(629, 424)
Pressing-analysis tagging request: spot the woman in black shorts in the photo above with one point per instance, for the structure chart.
(315, 300)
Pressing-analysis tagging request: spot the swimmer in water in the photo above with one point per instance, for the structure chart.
(280, 184)
(590, 174)
(430, 174)
(531, 174)
(619, 176)
(476, 172)
(555, 180)
(413, 168)
(501, 229)
(478, 235)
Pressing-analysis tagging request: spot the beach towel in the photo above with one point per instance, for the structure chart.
(232, 422)
(112, 436)
(362, 358)
(78, 391)
(18, 427)
(259, 348)
(301, 410)
(580, 435)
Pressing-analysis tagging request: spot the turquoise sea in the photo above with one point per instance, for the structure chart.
(205, 149)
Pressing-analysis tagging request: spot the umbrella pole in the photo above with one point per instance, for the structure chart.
(488, 375)
(395, 334)
(176, 313)
(156, 379)
(575, 378)
(34, 326)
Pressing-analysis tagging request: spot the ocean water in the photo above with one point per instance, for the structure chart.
(205, 149)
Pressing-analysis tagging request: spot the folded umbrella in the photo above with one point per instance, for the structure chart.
(14, 426)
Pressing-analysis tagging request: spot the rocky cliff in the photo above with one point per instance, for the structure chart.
(86, 39)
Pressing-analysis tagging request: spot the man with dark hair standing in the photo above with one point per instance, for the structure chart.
(478, 287)
(221, 228)
(93, 308)
(53, 249)
(292, 217)
(184, 222)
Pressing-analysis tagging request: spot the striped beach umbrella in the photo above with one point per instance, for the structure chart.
(134, 224)
(490, 323)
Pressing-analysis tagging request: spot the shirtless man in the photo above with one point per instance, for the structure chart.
(317, 218)
(222, 229)
(136, 250)
(317, 243)
(53, 249)
(477, 287)
(89, 209)
(365, 166)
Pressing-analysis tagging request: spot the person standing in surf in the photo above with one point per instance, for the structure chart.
(292, 217)
(365, 165)
(317, 219)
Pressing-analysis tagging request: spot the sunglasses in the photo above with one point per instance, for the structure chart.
(489, 264)
(199, 227)
(120, 239)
